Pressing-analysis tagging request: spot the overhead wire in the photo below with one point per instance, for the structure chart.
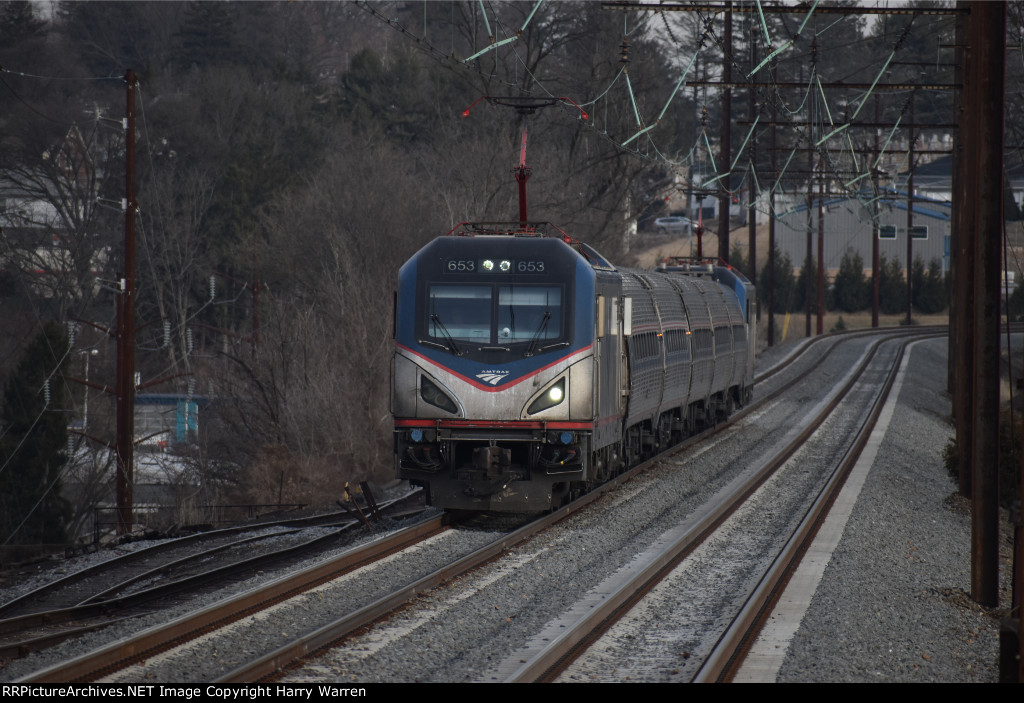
(8, 244)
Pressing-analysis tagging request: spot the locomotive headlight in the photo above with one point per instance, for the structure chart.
(549, 398)
(505, 266)
(433, 395)
(487, 264)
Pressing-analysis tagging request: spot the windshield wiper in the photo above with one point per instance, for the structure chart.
(536, 335)
(452, 346)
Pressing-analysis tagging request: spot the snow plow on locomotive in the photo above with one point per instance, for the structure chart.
(528, 368)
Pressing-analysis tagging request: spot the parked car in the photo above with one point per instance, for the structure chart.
(674, 223)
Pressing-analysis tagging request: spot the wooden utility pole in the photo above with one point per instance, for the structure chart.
(771, 227)
(752, 181)
(808, 231)
(986, 37)
(875, 273)
(910, 214)
(821, 248)
(725, 152)
(126, 330)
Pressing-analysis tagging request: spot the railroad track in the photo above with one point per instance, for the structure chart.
(570, 637)
(590, 611)
(359, 618)
(134, 583)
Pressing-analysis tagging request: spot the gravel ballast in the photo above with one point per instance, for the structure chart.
(891, 605)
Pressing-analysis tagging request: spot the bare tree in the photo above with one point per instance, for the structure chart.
(314, 401)
(60, 220)
(173, 254)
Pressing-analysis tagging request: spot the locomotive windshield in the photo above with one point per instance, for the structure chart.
(495, 315)
(460, 312)
(528, 314)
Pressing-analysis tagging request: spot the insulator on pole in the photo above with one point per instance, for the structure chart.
(46, 393)
(213, 287)
(188, 340)
(191, 389)
(72, 329)
(167, 334)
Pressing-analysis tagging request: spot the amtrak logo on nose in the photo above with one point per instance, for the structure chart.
(492, 376)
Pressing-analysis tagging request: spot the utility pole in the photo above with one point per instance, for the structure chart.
(809, 256)
(751, 183)
(986, 38)
(725, 152)
(962, 259)
(821, 247)
(910, 214)
(875, 253)
(771, 226)
(126, 330)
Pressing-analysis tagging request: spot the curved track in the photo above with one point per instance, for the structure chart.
(571, 636)
(139, 582)
(771, 384)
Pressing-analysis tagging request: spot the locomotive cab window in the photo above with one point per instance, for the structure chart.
(462, 312)
(498, 317)
(528, 313)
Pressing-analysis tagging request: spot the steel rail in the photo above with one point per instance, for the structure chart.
(547, 662)
(47, 628)
(727, 654)
(808, 342)
(270, 664)
(315, 640)
(159, 638)
(126, 560)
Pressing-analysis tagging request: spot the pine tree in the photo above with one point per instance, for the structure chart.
(929, 287)
(785, 298)
(738, 259)
(852, 291)
(892, 287)
(809, 269)
(34, 444)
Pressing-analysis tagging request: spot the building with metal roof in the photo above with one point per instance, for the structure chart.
(849, 224)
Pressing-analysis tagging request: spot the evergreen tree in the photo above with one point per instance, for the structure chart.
(892, 287)
(801, 286)
(929, 287)
(785, 297)
(18, 22)
(206, 35)
(33, 445)
(851, 290)
(1015, 304)
(738, 259)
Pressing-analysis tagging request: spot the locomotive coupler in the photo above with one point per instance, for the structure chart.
(494, 460)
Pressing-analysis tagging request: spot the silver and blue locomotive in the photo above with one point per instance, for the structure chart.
(528, 368)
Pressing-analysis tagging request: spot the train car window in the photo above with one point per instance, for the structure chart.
(528, 313)
(722, 342)
(462, 312)
(702, 343)
(646, 346)
(675, 341)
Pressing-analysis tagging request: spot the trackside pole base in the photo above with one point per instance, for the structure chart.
(1009, 650)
